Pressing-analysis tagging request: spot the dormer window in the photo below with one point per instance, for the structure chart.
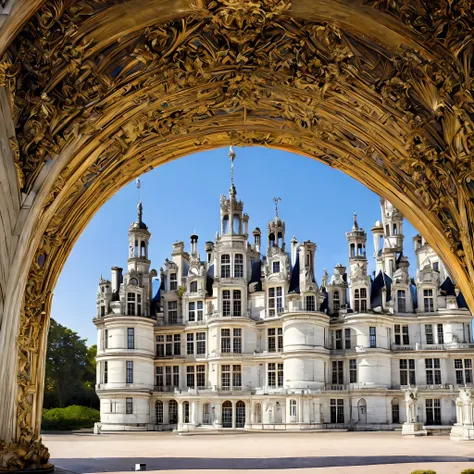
(310, 303)
(360, 300)
(436, 266)
(276, 267)
(225, 266)
(193, 287)
(173, 282)
(275, 301)
(401, 301)
(239, 266)
(134, 304)
(428, 300)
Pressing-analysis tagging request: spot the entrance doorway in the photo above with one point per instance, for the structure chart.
(362, 410)
(227, 414)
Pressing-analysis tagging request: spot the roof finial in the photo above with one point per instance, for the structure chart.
(355, 226)
(139, 206)
(232, 156)
(276, 200)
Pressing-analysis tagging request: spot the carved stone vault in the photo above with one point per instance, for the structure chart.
(100, 91)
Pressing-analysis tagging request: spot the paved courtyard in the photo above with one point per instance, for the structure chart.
(302, 453)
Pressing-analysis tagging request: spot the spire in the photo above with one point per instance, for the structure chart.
(139, 224)
(355, 225)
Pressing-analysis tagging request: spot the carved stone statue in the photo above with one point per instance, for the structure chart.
(411, 398)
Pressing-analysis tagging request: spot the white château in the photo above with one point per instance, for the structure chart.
(242, 340)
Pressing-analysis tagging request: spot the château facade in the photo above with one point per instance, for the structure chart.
(240, 340)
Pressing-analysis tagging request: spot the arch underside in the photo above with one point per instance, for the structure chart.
(104, 91)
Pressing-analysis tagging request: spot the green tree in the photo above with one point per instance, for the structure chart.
(70, 369)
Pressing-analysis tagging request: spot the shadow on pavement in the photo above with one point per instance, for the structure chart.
(88, 465)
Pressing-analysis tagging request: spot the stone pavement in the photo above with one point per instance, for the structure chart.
(303, 453)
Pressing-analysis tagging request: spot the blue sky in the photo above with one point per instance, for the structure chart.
(317, 204)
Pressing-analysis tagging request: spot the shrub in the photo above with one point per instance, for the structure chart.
(73, 417)
(468, 471)
(423, 471)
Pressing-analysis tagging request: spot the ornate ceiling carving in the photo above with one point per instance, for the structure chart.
(399, 118)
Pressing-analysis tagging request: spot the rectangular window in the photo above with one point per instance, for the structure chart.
(347, 337)
(407, 372)
(225, 377)
(238, 265)
(172, 312)
(176, 376)
(353, 370)
(440, 334)
(428, 301)
(169, 345)
(177, 344)
(200, 310)
(173, 282)
(190, 376)
(236, 377)
(226, 303)
(160, 346)
(225, 340)
(433, 371)
(405, 334)
(337, 410)
(102, 310)
(225, 266)
(463, 370)
(310, 303)
(106, 372)
(338, 338)
(159, 382)
(200, 343)
(275, 339)
(129, 406)
(130, 338)
(129, 371)
(429, 334)
(168, 376)
(433, 411)
(193, 287)
(275, 301)
(338, 372)
(271, 374)
(401, 301)
(190, 344)
(276, 267)
(131, 304)
(373, 337)
(237, 303)
(280, 375)
(192, 311)
(201, 376)
(106, 339)
(237, 342)
(398, 336)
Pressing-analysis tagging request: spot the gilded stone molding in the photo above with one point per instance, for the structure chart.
(397, 118)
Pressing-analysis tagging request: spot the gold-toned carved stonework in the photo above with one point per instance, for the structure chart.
(397, 116)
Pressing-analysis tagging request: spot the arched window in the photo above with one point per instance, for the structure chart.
(293, 408)
(193, 287)
(225, 266)
(240, 414)
(135, 253)
(352, 250)
(395, 230)
(362, 411)
(258, 413)
(310, 303)
(158, 412)
(186, 415)
(401, 301)
(131, 298)
(336, 302)
(173, 412)
(227, 414)
(236, 224)
(395, 411)
(239, 265)
(133, 282)
(225, 225)
(143, 249)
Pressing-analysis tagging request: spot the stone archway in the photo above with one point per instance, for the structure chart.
(96, 92)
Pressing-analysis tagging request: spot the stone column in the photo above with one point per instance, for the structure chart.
(166, 412)
(193, 413)
(234, 414)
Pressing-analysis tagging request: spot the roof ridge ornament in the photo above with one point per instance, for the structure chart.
(355, 226)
